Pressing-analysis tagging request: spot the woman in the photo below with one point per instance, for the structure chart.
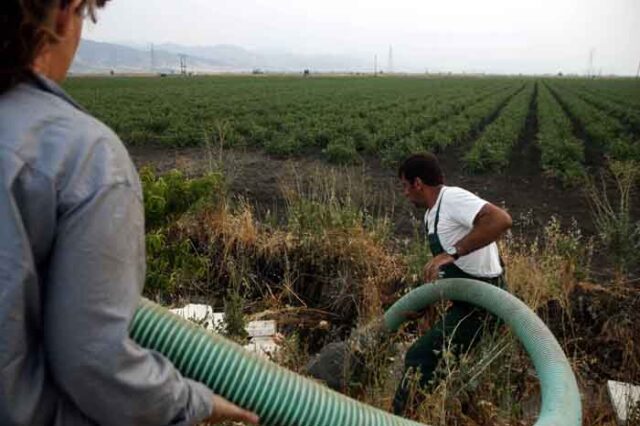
(72, 258)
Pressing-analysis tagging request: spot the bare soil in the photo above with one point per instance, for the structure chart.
(528, 195)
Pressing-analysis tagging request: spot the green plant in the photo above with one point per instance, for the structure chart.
(283, 144)
(619, 231)
(167, 197)
(173, 265)
(235, 324)
(341, 151)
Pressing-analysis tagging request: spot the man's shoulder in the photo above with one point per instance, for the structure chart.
(462, 205)
(461, 194)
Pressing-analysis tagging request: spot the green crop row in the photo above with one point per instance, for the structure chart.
(347, 119)
(606, 134)
(629, 117)
(344, 118)
(624, 92)
(492, 149)
(562, 154)
(450, 131)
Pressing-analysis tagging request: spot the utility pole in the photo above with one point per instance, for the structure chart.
(375, 65)
(638, 72)
(153, 58)
(183, 64)
(390, 63)
(590, 72)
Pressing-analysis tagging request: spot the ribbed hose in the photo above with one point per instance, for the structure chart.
(561, 404)
(280, 397)
(283, 398)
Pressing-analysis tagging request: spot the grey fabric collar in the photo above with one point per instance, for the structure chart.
(52, 87)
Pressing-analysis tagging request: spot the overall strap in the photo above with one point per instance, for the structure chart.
(435, 226)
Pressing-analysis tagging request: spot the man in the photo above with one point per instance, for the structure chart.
(462, 230)
(72, 258)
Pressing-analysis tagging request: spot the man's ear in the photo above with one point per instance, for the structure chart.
(65, 17)
(418, 183)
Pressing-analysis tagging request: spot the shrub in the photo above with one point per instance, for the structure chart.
(341, 150)
(282, 144)
(619, 231)
(168, 196)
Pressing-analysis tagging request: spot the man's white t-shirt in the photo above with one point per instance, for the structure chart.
(458, 210)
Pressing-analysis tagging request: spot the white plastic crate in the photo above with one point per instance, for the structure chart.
(624, 397)
(261, 333)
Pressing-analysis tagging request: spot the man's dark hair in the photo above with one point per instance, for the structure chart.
(423, 166)
(25, 27)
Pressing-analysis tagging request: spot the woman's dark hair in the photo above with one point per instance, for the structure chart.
(423, 166)
(25, 27)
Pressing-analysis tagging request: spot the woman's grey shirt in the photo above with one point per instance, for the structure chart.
(72, 267)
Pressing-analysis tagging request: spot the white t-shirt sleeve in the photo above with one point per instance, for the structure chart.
(463, 206)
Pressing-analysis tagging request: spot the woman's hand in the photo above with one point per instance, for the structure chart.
(224, 410)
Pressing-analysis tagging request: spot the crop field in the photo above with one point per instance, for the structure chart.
(276, 197)
(484, 122)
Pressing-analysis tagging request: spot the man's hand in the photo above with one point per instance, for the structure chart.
(432, 268)
(224, 410)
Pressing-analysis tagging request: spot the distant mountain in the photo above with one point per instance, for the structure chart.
(237, 57)
(98, 57)
(229, 55)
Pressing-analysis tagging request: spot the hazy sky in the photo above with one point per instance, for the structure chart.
(505, 36)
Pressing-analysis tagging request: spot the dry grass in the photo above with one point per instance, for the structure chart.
(331, 265)
(495, 384)
(329, 255)
(611, 209)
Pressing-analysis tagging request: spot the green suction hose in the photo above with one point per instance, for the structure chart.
(283, 398)
(561, 404)
(280, 397)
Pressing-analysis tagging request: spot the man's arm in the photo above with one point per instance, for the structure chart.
(489, 224)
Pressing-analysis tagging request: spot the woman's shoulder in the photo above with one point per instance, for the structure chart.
(62, 141)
